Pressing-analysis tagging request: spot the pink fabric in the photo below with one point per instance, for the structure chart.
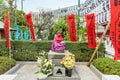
(58, 44)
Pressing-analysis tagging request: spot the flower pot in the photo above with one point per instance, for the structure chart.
(69, 72)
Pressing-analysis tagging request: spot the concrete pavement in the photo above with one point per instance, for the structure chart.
(85, 73)
(27, 72)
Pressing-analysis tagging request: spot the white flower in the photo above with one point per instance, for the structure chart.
(39, 60)
(45, 60)
(50, 61)
(47, 63)
(43, 70)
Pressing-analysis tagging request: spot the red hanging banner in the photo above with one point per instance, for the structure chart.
(30, 24)
(90, 24)
(72, 27)
(7, 29)
(115, 27)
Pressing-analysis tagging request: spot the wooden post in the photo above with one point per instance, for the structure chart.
(95, 51)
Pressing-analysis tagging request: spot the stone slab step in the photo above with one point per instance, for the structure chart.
(110, 77)
(7, 77)
(85, 73)
(74, 76)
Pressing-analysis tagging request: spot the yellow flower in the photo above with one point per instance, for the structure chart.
(68, 61)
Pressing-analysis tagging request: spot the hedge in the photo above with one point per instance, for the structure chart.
(107, 66)
(6, 63)
(28, 50)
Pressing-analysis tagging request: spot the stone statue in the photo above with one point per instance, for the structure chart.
(58, 44)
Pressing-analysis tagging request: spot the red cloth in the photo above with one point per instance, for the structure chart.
(72, 27)
(7, 29)
(90, 24)
(58, 38)
(115, 27)
(30, 24)
(117, 40)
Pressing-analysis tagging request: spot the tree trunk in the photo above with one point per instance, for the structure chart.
(39, 33)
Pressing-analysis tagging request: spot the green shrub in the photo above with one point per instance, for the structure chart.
(3, 49)
(6, 63)
(28, 50)
(107, 66)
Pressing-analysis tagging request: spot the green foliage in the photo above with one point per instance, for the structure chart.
(1, 1)
(23, 28)
(81, 29)
(6, 63)
(82, 33)
(28, 50)
(3, 10)
(82, 52)
(15, 15)
(77, 20)
(107, 66)
(61, 25)
(20, 17)
(3, 49)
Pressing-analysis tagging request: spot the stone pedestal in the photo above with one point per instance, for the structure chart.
(57, 57)
(74, 76)
(58, 71)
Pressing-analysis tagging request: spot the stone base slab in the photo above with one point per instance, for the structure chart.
(74, 76)
(57, 62)
(55, 55)
(58, 71)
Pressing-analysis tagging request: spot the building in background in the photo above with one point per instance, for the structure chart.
(2, 35)
(58, 13)
(101, 9)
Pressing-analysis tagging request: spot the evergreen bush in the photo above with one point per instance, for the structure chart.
(28, 50)
(107, 66)
(6, 63)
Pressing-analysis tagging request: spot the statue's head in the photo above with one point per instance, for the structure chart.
(59, 33)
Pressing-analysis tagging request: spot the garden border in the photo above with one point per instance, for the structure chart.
(18, 65)
(13, 69)
(103, 76)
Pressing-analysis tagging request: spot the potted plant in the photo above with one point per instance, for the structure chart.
(68, 62)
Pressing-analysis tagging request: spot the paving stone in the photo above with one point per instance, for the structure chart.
(85, 73)
(27, 72)
(7, 77)
(110, 77)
